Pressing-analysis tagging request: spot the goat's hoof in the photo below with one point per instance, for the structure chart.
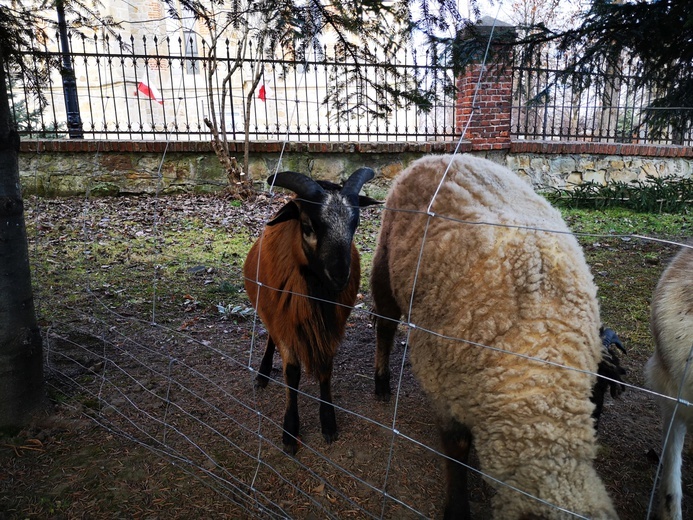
(382, 388)
(261, 381)
(291, 449)
(383, 397)
(330, 437)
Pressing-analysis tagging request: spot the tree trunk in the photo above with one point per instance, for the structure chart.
(608, 123)
(21, 356)
(238, 188)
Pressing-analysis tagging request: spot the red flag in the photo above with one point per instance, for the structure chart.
(150, 92)
(262, 94)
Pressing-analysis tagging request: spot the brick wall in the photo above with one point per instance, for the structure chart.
(70, 167)
(484, 110)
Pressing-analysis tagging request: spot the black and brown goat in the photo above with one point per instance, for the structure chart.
(308, 270)
(609, 372)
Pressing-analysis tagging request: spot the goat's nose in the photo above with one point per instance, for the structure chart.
(339, 279)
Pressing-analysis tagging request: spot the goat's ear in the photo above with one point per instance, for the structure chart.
(289, 211)
(367, 201)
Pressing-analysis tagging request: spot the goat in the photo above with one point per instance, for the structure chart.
(302, 277)
(610, 367)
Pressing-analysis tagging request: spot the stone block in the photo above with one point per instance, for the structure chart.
(597, 176)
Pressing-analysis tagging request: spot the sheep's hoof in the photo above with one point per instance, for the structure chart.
(330, 437)
(455, 509)
(291, 442)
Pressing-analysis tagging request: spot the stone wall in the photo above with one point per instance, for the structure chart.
(65, 168)
(565, 171)
(563, 164)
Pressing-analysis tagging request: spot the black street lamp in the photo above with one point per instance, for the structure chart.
(74, 120)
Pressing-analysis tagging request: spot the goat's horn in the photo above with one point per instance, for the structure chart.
(302, 185)
(356, 181)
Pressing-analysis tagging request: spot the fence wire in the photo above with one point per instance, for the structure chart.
(157, 370)
(185, 392)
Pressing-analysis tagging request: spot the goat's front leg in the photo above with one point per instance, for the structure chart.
(265, 365)
(292, 377)
(457, 441)
(328, 422)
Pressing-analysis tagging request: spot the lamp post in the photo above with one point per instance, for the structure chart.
(74, 120)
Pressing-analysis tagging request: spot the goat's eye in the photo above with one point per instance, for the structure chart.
(307, 229)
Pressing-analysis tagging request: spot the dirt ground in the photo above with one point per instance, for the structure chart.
(157, 416)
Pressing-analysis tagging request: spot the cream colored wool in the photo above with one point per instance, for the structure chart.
(521, 290)
(669, 373)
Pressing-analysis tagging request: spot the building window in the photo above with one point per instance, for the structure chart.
(190, 41)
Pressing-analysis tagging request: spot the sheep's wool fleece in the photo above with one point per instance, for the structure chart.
(491, 274)
(672, 328)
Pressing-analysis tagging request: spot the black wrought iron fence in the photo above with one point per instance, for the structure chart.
(606, 105)
(159, 88)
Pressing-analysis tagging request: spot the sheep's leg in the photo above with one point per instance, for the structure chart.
(670, 488)
(265, 365)
(328, 422)
(457, 441)
(385, 338)
(387, 318)
(292, 376)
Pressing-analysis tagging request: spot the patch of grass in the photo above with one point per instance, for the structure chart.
(226, 287)
(366, 239)
(625, 268)
(376, 192)
(622, 221)
(127, 263)
(192, 263)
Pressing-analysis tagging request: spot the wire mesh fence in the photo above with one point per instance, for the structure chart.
(152, 338)
(149, 335)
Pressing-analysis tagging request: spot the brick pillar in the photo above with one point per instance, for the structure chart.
(489, 128)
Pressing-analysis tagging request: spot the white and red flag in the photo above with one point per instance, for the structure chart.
(262, 93)
(149, 91)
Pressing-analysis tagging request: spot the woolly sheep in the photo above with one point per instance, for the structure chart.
(309, 273)
(509, 285)
(668, 372)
